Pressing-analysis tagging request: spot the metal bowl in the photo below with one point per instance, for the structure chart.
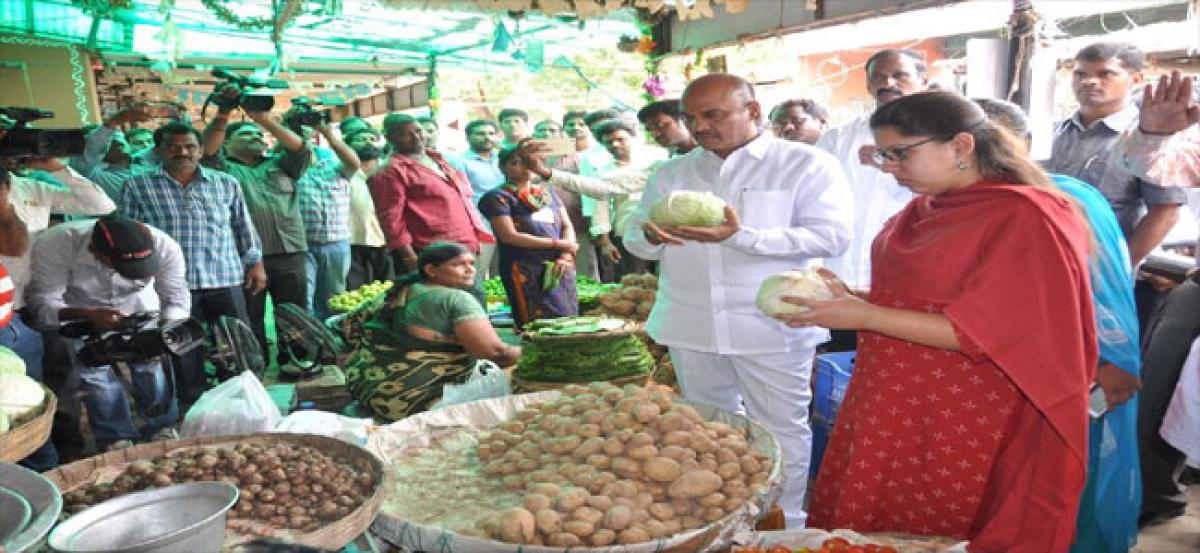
(182, 518)
(15, 513)
(45, 504)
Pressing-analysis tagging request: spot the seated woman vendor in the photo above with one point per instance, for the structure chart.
(429, 332)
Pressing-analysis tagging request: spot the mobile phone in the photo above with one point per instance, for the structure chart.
(1097, 402)
(557, 146)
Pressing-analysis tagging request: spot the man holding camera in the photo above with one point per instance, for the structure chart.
(100, 272)
(325, 207)
(272, 198)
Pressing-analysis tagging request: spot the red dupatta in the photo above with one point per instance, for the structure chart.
(1017, 294)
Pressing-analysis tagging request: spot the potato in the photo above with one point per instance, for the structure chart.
(712, 514)
(588, 447)
(672, 452)
(612, 394)
(646, 412)
(728, 471)
(547, 521)
(583, 478)
(616, 421)
(627, 405)
(571, 499)
(599, 461)
(662, 469)
(715, 499)
(563, 539)
(732, 504)
(602, 537)
(623, 308)
(695, 483)
(691, 522)
(634, 293)
(593, 417)
(548, 490)
(661, 511)
(516, 525)
(626, 467)
(749, 464)
(513, 482)
(759, 478)
(613, 446)
(642, 453)
(633, 535)
(588, 514)
(574, 390)
(589, 430)
(709, 464)
(681, 438)
(526, 414)
(656, 529)
(581, 528)
(535, 502)
(618, 517)
(600, 502)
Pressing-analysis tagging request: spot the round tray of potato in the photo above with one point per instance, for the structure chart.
(595, 467)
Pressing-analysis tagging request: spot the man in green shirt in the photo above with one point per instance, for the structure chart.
(268, 182)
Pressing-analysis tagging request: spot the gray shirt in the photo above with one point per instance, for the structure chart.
(1083, 152)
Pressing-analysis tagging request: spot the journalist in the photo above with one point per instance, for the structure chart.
(100, 272)
(268, 180)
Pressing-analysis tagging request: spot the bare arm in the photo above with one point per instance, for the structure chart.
(14, 237)
(1151, 230)
(288, 139)
(480, 340)
(349, 159)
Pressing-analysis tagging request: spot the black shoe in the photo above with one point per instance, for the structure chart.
(1154, 518)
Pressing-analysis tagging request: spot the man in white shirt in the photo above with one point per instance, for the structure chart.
(891, 74)
(796, 205)
(100, 272)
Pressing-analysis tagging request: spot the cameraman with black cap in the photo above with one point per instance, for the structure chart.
(269, 185)
(100, 272)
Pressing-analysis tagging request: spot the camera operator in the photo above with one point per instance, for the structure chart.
(204, 211)
(269, 185)
(325, 207)
(99, 272)
(108, 158)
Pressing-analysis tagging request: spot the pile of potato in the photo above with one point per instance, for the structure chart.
(603, 465)
(283, 485)
(633, 300)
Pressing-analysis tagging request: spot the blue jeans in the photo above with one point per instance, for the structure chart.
(327, 266)
(108, 408)
(27, 344)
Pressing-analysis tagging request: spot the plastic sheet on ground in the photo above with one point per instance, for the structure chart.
(420, 430)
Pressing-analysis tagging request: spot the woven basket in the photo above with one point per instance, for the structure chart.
(529, 386)
(19, 442)
(332, 536)
(630, 327)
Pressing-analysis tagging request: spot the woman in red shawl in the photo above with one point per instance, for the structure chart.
(967, 413)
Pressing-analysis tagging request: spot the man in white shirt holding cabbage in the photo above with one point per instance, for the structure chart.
(787, 203)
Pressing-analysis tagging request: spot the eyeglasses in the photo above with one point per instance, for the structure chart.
(895, 154)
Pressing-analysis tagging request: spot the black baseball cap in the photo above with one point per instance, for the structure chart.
(128, 244)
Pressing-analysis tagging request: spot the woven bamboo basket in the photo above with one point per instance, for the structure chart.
(332, 536)
(19, 442)
(529, 386)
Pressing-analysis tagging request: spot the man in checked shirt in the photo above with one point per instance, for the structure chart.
(204, 211)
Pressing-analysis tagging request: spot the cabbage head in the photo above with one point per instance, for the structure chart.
(10, 363)
(803, 283)
(687, 208)
(20, 396)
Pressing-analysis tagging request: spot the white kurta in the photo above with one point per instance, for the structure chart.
(877, 196)
(794, 205)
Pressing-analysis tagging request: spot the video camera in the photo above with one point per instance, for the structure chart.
(305, 114)
(21, 141)
(134, 339)
(250, 99)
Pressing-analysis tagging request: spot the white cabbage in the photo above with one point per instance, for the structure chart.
(20, 395)
(10, 363)
(687, 208)
(805, 284)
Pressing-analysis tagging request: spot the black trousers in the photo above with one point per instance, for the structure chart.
(630, 264)
(1167, 340)
(208, 306)
(368, 264)
(287, 282)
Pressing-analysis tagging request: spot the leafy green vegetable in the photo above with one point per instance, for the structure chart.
(584, 360)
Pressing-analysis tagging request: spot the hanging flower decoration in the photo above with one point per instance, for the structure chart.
(226, 15)
(654, 88)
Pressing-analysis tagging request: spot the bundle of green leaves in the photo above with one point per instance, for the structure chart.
(586, 359)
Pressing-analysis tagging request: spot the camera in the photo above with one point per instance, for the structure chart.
(304, 113)
(135, 339)
(21, 141)
(249, 99)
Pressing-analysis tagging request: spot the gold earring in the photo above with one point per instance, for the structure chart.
(962, 165)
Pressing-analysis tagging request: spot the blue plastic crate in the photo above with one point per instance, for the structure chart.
(831, 376)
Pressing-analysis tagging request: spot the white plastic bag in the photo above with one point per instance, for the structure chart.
(239, 405)
(347, 429)
(487, 380)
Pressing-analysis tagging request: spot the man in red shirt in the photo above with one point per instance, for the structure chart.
(420, 198)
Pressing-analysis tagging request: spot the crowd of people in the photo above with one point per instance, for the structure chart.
(1013, 366)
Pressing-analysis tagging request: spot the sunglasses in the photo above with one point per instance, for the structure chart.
(895, 154)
